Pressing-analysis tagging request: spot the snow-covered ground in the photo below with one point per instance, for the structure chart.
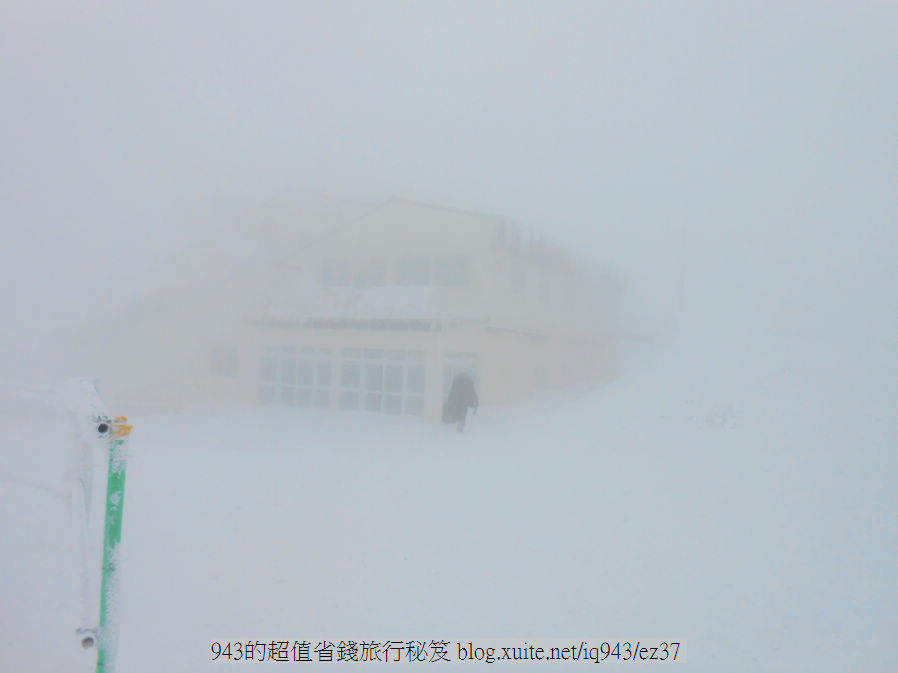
(743, 502)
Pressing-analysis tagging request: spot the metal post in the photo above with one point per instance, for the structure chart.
(115, 495)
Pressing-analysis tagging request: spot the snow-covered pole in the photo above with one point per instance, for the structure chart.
(117, 430)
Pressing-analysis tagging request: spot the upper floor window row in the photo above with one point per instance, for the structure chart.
(447, 270)
(354, 271)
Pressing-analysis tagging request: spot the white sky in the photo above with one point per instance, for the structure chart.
(759, 136)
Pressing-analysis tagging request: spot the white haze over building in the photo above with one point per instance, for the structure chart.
(750, 142)
(736, 163)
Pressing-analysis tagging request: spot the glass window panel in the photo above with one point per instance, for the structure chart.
(285, 395)
(349, 400)
(414, 379)
(224, 362)
(324, 374)
(372, 402)
(352, 353)
(231, 362)
(393, 378)
(267, 394)
(452, 270)
(351, 375)
(305, 372)
(374, 377)
(392, 404)
(394, 355)
(336, 272)
(322, 399)
(369, 272)
(414, 405)
(288, 371)
(304, 397)
(413, 270)
(374, 354)
(418, 356)
(376, 270)
(269, 369)
(519, 279)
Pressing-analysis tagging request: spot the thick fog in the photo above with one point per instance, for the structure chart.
(744, 152)
(714, 463)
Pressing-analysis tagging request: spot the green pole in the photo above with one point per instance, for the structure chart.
(107, 640)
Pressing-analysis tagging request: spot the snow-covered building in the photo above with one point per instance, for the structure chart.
(377, 309)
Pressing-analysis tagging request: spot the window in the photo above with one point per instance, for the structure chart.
(391, 382)
(452, 270)
(374, 384)
(224, 362)
(498, 238)
(354, 272)
(413, 270)
(542, 289)
(369, 272)
(297, 377)
(336, 272)
(519, 278)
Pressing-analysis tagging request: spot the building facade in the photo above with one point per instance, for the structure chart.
(382, 312)
(373, 310)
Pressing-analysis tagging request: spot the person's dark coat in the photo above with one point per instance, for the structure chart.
(462, 396)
